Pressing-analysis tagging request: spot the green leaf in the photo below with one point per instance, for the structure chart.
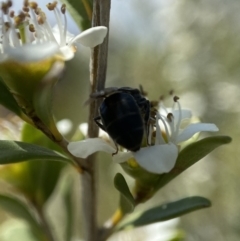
(165, 212)
(37, 178)
(127, 202)
(81, 12)
(7, 100)
(141, 175)
(37, 175)
(43, 176)
(15, 151)
(31, 134)
(190, 155)
(20, 210)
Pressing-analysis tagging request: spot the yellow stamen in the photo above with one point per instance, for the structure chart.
(33, 5)
(63, 8)
(132, 163)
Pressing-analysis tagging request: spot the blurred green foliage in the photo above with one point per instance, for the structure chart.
(81, 12)
(193, 48)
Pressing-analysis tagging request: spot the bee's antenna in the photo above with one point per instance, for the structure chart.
(144, 93)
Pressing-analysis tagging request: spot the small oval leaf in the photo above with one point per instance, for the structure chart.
(16, 151)
(165, 212)
(190, 155)
(127, 202)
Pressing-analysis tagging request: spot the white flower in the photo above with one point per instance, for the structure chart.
(29, 37)
(162, 155)
(172, 118)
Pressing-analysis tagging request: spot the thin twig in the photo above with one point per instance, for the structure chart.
(98, 69)
(63, 143)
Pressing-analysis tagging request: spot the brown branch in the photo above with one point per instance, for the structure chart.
(63, 143)
(98, 69)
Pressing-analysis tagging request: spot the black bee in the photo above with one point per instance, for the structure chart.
(124, 114)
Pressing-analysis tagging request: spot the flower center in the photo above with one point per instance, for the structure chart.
(170, 122)
(31, 25)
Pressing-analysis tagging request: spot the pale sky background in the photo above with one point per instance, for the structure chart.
(123, 12)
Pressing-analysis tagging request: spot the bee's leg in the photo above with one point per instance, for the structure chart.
(100, 125)
(147, 134)
(116, 152)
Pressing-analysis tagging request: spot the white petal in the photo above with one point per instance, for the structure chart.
(194, 128)
(186, 114)
(91, 37)
(122, 157)
(56, 33)
(89, 146)
(32, 52)
(157, 159)
(67, 52)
